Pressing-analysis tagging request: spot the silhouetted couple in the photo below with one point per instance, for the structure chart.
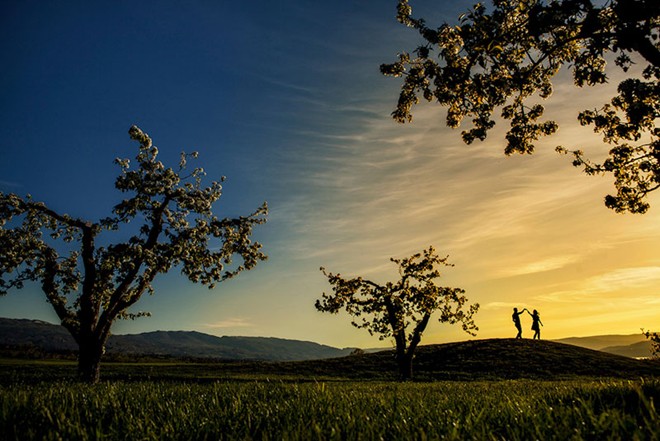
(536, 322)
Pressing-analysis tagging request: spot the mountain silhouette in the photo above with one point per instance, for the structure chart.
(602, 342)
(473, 359)
(41, 338)
(489, 359)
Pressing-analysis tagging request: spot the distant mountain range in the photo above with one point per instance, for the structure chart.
(633, 345)
(35, 335)
(49, 338)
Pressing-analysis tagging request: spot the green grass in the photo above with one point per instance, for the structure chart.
(513, 391)
(153, 410)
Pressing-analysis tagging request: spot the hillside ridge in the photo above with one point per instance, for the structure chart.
(43, 337)
(489, 359)
(485, 359)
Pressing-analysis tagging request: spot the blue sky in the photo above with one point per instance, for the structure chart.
(286, 100)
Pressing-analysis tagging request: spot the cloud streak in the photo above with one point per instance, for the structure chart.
(624, 279)
(550, 264)
(392, 189)
(233, 322)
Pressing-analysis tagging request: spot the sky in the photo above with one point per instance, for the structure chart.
(285, 98)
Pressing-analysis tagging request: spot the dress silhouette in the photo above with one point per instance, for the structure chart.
(536, 324)
(516, 320)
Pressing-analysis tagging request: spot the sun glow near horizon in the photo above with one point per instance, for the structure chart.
(307, 127)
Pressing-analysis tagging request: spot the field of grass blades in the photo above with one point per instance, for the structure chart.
(515, 410)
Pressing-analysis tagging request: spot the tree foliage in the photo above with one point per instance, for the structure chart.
(95, 282)
(402, 309)
(654, 338)
(506, 59)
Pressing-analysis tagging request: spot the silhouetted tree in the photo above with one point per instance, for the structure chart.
(506, 59)
(94, 283)
(401, 309)
(654, 338)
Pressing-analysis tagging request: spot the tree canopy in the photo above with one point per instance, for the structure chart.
(505, 59)
(96, 282)
(654, 338)
(401, 309)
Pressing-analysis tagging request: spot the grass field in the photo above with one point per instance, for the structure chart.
(43, 405)
(476, 390)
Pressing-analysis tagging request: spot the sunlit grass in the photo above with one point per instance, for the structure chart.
(338, 410)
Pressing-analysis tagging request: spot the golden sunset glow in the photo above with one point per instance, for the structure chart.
(299, 115)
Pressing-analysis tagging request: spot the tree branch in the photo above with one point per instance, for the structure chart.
(65, 219)
(417, 333)
(116, 300)
(49, 287)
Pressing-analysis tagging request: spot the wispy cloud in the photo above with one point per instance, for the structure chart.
(9, 184)
(383, 186)
(233, 322)
(503, 305)
(540, 266)
(625, 278)
(362, 188)
(611, 282)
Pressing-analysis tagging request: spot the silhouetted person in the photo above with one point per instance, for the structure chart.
(536, 321)
(516, 320)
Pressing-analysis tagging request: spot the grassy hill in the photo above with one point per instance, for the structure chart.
(271, 357)
(493, 359)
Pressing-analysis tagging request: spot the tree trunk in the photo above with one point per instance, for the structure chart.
(405, 367)
(89, 360)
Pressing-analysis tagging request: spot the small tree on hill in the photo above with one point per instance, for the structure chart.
(401, 309)
(506, 59)
(654, 338)
(92, 286)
